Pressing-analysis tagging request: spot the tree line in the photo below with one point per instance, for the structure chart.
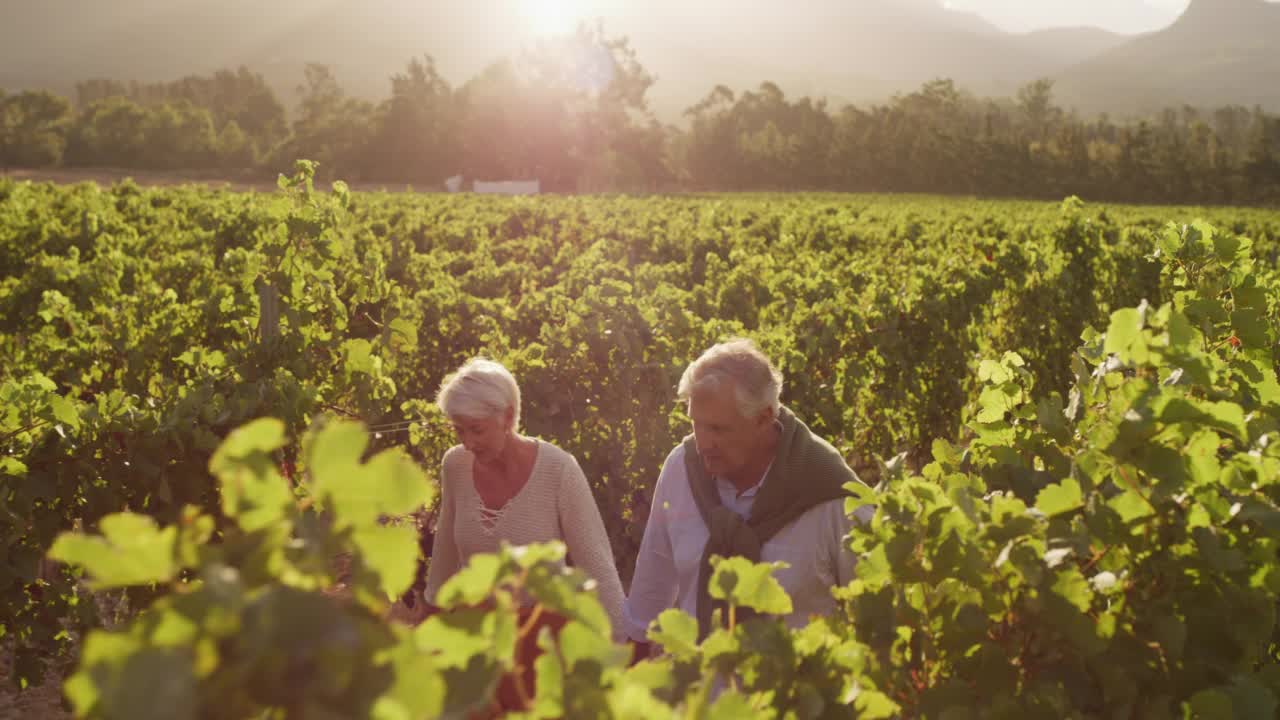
(573, 113)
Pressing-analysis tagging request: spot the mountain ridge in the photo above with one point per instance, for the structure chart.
(859, 51)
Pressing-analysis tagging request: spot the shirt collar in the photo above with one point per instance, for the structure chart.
(749, 492)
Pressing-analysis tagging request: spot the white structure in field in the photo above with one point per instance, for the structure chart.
(453, 184)
(507, 187)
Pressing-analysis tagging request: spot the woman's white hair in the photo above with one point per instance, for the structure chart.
(481, 388)
(756, 382)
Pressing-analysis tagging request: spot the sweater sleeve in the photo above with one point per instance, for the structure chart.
(445, 557)
(587, 542)
(843, 561)
(655, 584)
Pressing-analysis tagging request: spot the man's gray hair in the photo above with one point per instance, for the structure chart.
(481, 388)
(757, 383)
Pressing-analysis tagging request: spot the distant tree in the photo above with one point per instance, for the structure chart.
(238, 96)
(514, 131)
(611, 109)
(6, 121)
(33, 127)
(1262, 162)
(1135, 168)
(414, 137)
(93, 90)
(1231, 124)
(573, 113)
(179, 136)
(109, 133)
(1035, 101)
(261, 116)
(710, 149)
(1071, 149)
(330, 128)
(234, 149)
(568, 111)
(932, 130)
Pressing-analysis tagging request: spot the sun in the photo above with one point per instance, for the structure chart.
(551, 17)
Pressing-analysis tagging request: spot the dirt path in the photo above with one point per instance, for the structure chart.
(41, 703)
(154, 178)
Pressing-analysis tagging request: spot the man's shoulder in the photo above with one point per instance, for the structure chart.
(835, 514)
(675, 456)
(673, 470)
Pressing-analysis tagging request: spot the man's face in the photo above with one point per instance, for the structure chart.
(726, 440)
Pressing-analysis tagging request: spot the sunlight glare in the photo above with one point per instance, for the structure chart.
(552, 17)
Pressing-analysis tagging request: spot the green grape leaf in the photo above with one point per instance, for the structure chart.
(1130, 506)
(472, 584)
(732, 705)
(1209, 704)
(64, 411)
(580, 643)
(253, 491)
(1124, 336)
(120, 677)
(259, 437)
(995, 402)
(404, 334)
(1251, 327)
(1060, 498)
(990, 371)
(456, 636)
(1071, 586)
(12, 467)
(360, 358)
(132, 550)
(1225, 246)
(874, 705)
(359, 495)
(740, 582)
(392, 553)
(677, 633)
(636, 702)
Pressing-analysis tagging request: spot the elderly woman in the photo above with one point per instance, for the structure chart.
(500, 485)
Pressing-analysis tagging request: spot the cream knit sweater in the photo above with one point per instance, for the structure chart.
(555, 504)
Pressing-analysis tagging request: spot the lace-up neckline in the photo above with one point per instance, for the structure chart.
(489, 517)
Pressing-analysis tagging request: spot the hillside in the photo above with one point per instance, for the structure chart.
(1219, 52)
(858, 50)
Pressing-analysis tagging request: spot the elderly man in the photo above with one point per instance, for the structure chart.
(753, 481)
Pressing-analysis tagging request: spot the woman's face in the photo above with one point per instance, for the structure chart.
(485, 437)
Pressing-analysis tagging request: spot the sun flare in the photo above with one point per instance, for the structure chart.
(552, 17)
